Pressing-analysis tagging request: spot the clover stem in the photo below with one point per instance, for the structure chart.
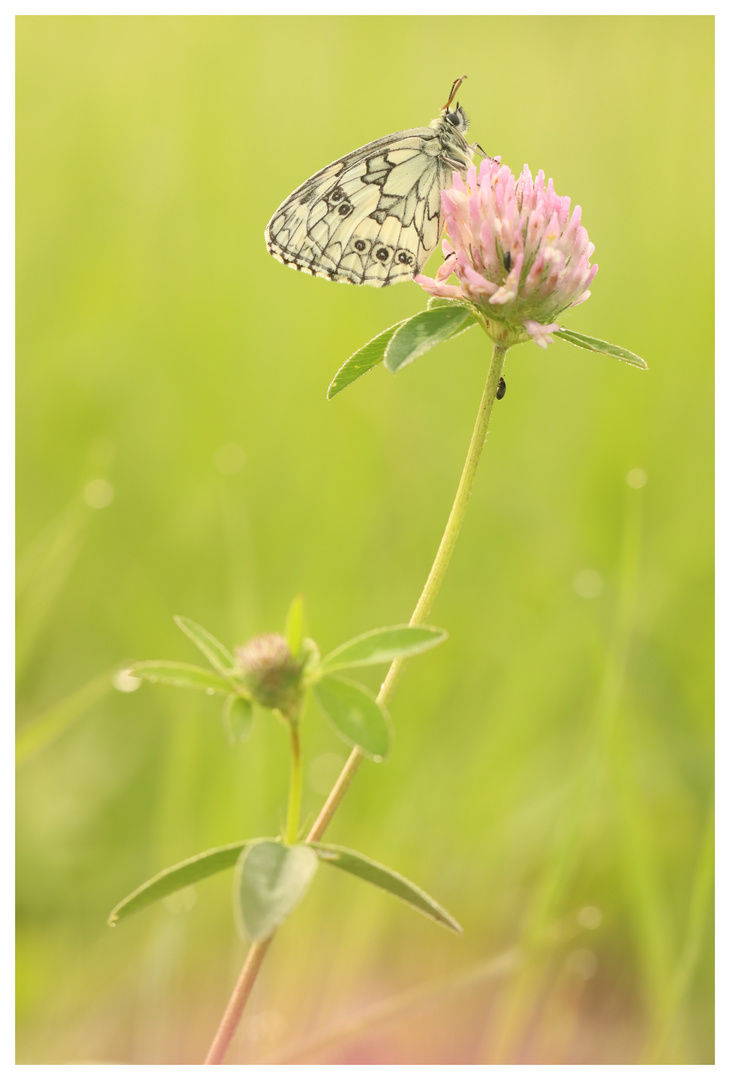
(295, 784)
(420, 614)
(235, 1007)
(434, 579)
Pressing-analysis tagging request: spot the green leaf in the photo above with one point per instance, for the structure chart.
(447, 301)
(596, 345)
(237, 718)
(369, 356)
(310, 661)
(215, 653)
(425, 330)
(189, 676)
(380, 646)
(177, 877)
(294, 626)
(359, 865)
(271, 879)
(355, 715)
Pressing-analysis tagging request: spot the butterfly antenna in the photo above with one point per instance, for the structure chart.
(454, 89)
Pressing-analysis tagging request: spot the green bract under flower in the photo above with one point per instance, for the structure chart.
(520, 256)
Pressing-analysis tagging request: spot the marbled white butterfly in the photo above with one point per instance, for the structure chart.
(373, 217)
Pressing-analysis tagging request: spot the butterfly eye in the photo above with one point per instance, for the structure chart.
(344, 209)
(337, 195)
(382, 254)
(359, 245)
(457, 118)
(404, 257)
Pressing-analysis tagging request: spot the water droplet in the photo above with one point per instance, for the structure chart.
(588, 584)
(230, 459)
(583, 963)
(636, 478)
(125, 681)
(98, 494)
(590, 917)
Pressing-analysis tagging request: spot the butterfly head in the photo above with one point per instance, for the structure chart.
(456, 117)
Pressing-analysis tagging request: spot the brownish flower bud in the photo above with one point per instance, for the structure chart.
(271, 674)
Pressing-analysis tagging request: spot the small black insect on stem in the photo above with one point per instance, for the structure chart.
(501, 389)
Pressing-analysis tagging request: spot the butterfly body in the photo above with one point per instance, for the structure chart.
(373, 217)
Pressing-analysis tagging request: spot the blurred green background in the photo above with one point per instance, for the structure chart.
(551, 778)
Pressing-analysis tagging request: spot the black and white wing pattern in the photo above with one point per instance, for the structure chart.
(374, 216)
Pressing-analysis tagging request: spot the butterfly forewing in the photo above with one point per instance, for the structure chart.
(374, 216)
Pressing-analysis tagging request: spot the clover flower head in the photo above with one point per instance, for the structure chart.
(520, 256)
(271, 674)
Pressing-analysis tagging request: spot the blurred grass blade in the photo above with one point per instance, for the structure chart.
(369, 356)
(38, 733)
(177, 877)
(431, 995)
(217, 654)
(424, 331)
(294, 626)
(42, 572)
(352, 862)
(355, 715)
(596, 345)
(660, 1049)
(188, 676)
(271, 879)
(237, 718)
(381, 646)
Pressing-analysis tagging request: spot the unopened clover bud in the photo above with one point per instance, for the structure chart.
(271, 674)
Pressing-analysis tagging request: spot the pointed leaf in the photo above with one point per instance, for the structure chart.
(425, 330)
(271, 879)
(355, 715)
(447, 301)
(380, 646)
(310, 661)
(369, 356)
(188, 676)
(294, 627)
(237, 718)
(596, 345)
(177, 877)
(352, 862)
(215, 653)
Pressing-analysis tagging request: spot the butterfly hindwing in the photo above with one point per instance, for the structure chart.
(371, 218)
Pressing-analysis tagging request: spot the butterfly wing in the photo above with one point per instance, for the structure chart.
(370, 218)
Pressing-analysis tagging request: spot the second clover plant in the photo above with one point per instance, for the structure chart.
(276, 672)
